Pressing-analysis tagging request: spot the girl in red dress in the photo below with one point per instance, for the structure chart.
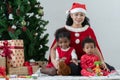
(63, 52)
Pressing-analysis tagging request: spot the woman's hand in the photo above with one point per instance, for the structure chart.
(104, 66)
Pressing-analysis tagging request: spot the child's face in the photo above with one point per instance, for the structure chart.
(78, 18)
(89, 48)
(63, 42)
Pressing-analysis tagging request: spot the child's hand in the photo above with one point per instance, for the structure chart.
(74, 61)
(90, 70)
(63, 59)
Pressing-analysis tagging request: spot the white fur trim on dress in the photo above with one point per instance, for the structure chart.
(70, 28)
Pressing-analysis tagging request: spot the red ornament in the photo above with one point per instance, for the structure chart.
(9, 8)
(24, 28)
(11, 29)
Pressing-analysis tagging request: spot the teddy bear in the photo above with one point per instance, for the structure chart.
(63, 69)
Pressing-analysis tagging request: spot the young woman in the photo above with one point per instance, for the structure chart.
(78, 25)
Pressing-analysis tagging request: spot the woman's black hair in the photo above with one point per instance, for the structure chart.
(62, 32)
(69, 21)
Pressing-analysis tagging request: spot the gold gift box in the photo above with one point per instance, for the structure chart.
(21, 70)
(16, 46)
(2, 61)
(41, 63)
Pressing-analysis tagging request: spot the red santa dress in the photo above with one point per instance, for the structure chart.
(77, 36)
(61, 53)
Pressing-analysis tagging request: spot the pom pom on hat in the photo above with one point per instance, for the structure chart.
(77, 7)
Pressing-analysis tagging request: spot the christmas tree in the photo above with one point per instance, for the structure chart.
(22, 19)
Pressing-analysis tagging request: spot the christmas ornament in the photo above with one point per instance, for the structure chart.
(40, 12)
(28, 2)
(13, 27)
(36, 34)
(10, 16)
(23, 23)
(37, 16)
(24, 28)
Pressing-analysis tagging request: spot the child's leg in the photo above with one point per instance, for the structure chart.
(50, 71)
(75, 69)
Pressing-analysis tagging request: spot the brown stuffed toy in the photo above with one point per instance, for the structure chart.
(63, 69)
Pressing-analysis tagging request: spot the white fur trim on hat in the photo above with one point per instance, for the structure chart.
(78, 10)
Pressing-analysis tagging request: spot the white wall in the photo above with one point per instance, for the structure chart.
(104, 18)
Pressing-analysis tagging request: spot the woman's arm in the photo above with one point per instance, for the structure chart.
(99, 54)
(101, 58)
(97, 50)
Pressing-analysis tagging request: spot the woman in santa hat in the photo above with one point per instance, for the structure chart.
(78, 25)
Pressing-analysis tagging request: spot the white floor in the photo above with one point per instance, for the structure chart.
(113, 76)
(40, 76)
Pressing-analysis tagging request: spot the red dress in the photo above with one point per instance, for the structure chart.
(77, 36)
(87, 61)
(61, 54)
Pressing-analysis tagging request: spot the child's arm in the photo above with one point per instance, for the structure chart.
(74, 57)
(75, 61)
(83, 62)
(89, 70)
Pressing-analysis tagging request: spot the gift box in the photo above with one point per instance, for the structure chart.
(22, 70)
(17, 52)
(42, 63)
(2, 61)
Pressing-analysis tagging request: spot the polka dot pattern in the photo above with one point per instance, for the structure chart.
(17, 53)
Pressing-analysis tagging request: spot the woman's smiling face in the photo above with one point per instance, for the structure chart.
(78, 17)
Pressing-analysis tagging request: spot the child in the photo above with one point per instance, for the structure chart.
(88, 60)
(63, 52)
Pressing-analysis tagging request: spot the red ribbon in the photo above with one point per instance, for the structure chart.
(6, 49)
(2, 71)
(30, 70)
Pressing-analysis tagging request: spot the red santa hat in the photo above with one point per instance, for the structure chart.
(77, 7)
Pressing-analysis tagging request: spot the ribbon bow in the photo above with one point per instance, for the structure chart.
(27, 64)
(6, 50)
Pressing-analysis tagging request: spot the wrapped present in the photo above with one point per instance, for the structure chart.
(15, 58)
(2, 61)
(42, 63)
(22, 70)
